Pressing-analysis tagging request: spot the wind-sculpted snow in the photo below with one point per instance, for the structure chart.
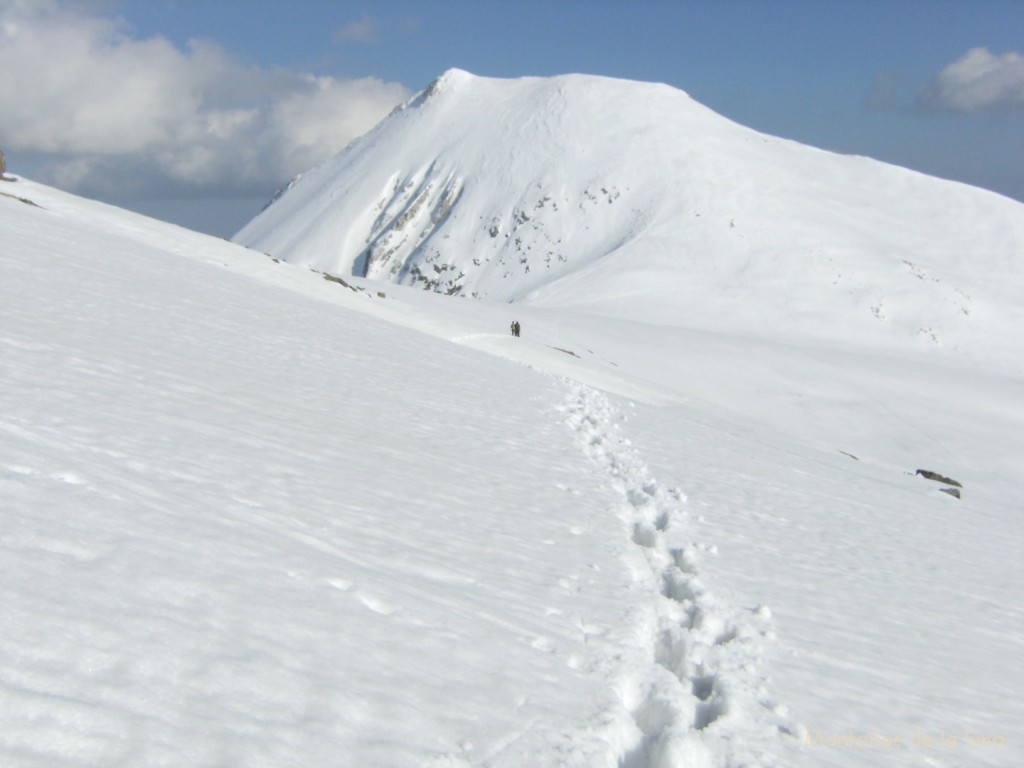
(631, 200)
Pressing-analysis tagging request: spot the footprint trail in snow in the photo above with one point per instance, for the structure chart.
(693, 685)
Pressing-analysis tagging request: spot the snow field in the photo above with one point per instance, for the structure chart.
(896, 608)
(245, 521)
(245, 527)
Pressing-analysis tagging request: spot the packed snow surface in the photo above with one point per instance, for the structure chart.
(250, 516)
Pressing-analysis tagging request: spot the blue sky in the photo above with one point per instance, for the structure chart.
(197, 111)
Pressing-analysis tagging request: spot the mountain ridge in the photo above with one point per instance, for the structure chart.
(632, 199)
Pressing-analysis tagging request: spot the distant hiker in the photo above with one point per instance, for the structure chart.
(515, 328)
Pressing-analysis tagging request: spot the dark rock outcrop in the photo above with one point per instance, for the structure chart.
(953, 491)
(938, 478)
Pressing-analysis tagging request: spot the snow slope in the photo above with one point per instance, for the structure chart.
(253, 517)
(631, 200)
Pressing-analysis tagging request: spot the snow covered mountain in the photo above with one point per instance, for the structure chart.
(255, 514)
(631, 200)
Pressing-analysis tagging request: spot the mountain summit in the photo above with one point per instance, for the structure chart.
(631, 199)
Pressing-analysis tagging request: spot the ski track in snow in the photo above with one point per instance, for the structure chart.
(694, 689)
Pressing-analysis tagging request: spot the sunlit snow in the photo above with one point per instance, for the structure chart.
(255, 517)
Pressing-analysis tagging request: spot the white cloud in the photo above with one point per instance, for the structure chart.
(978, 81)
(113, 112)
(362, 31)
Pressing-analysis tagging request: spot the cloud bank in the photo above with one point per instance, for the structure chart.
(112, 114)
(978, 81)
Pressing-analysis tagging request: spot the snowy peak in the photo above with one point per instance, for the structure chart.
(548, 192)
(632, 199)
(448, 81)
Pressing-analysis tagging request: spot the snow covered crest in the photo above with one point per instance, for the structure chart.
(630, 199)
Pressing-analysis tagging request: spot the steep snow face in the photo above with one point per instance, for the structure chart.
(494, 208)
(630, 199)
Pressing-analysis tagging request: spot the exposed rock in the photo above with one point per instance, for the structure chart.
(24, 200)
(938, 478)
(339, 281)
(954, 492)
